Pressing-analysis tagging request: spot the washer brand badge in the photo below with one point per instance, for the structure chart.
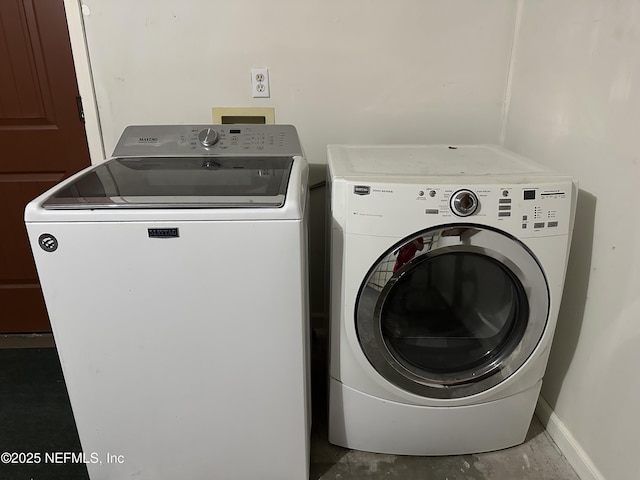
(361, 189)
(48, 242)
(163, 232)
(147, 140)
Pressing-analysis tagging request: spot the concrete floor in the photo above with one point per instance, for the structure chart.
(36, 416)
(536, 459)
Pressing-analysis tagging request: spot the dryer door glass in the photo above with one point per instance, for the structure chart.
(451, 312)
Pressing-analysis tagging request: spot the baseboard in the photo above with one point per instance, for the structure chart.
(567, 444)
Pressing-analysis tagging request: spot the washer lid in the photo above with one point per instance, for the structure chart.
(178, 182)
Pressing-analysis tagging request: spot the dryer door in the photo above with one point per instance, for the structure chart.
(452, 311)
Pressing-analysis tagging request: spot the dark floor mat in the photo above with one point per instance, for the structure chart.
(38, 436)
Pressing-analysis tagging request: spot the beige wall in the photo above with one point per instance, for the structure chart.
(575, 104)
(341, 71)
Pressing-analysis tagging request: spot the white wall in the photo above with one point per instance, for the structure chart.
(575, 104)
(341, 71)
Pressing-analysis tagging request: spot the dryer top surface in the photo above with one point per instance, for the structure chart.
(349, 161)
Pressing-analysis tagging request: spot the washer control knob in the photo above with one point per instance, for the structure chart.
(208, 137)
(464, 203)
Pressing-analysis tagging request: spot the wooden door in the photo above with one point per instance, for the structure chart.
(42, 141)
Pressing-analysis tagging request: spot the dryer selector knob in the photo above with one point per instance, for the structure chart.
(208, 137)
(464, 203)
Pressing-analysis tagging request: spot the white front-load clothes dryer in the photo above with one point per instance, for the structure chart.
(447, 270)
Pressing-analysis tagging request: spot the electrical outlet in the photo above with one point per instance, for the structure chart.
(260, 82)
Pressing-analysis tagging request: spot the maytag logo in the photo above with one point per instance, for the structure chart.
(163, 232)
(361, 189)
(147, 139)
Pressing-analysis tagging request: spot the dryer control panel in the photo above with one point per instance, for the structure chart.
(524, 210)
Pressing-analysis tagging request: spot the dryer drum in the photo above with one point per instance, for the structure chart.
(452, 311)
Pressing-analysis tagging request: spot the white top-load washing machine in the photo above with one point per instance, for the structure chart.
(447, 270)
(175, 278)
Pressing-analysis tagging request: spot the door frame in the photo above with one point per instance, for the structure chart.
(84, 77)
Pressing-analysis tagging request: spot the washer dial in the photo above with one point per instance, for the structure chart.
(208, 137)
(464, 203)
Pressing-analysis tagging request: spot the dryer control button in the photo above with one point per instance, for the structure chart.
(464, 203)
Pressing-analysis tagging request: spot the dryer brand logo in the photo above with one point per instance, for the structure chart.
(163, 232)
(48, 242)
(147, 140)
(361, 189)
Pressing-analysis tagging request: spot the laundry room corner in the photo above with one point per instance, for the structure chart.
(554, 81)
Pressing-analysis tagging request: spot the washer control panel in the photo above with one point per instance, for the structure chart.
(208, 140)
